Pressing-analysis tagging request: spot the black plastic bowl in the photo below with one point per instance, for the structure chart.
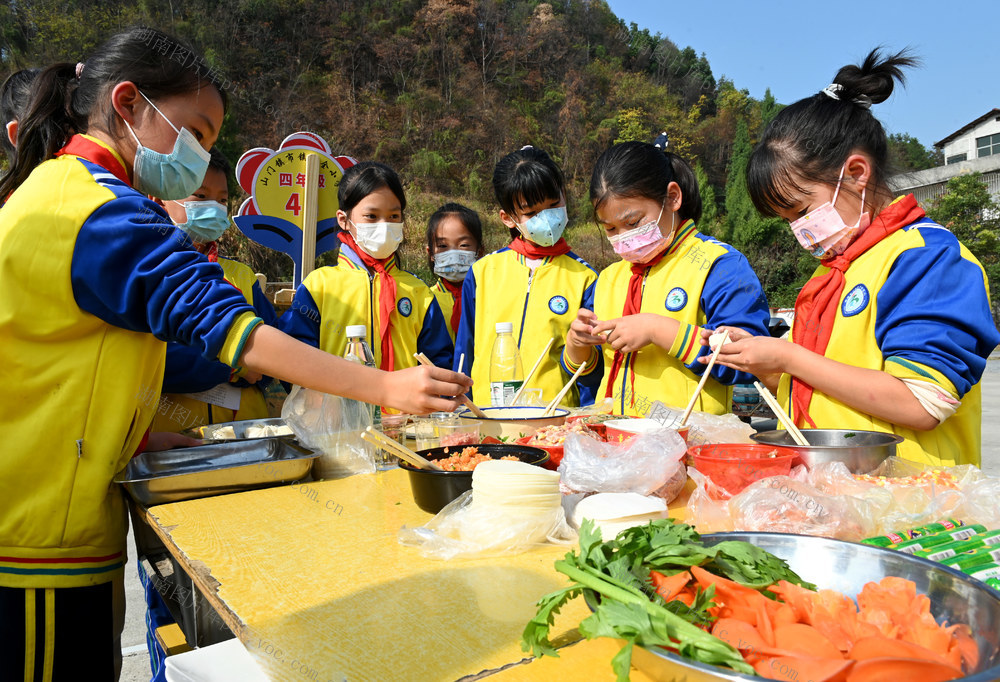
(433, 489)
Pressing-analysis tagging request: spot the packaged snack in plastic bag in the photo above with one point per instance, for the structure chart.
(332, 425)
(647, 464)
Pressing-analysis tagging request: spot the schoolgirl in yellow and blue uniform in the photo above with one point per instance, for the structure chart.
(893, 330)
(536, 282)
(93, 278)
(204, 217)
(454, 243)
(367, 286)
(672, 281)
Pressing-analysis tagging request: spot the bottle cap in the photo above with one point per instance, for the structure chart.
(505, 327)
(357, 330)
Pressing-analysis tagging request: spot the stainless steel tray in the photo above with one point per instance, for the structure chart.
(846, 567)
(216, 469)
(211, 431)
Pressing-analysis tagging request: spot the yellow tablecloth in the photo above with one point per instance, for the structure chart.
(312, 579)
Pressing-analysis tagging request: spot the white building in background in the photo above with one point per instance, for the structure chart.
(974, 147)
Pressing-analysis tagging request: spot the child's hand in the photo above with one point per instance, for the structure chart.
(581, 330)
(422, 390)
(735, 334)
(757, 355)
(630, 333)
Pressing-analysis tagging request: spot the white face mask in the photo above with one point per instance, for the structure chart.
(453, 264)
(379, 240)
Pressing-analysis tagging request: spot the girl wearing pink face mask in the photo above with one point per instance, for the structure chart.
(893, 330)
(672, 281)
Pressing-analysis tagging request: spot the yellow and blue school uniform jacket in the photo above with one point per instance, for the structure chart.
(333, 297)
(446, 301)
(94, 278)
(915, 305)
(700, 282)
(541, 304)
(187, 371)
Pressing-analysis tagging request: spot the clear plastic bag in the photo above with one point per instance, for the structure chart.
(645, 464)
(781, 504)
(332, 425)
(464, 530)
(704, 428)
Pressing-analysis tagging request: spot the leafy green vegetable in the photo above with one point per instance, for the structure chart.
(614, 579)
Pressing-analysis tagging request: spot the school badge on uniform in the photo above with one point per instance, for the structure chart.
(855, 301)
(676, 299)
(559, 305)
(405, 307)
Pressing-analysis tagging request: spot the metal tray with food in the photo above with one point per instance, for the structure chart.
(216, 469)
(241, 430)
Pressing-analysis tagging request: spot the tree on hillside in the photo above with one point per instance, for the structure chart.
(906, 154)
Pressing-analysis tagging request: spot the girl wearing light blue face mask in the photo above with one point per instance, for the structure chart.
(235, 395)
(536, 282)
(454, 243)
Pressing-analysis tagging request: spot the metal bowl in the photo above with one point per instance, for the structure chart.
(846, 567)
(860, 451)
(433, 489)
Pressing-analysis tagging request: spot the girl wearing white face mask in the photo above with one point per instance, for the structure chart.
(367, 285)
(671, 281)
(204, 217)
(893, 330)
(454, 243)
(536, 282)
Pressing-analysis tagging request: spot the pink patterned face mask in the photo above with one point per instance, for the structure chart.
(642, 243)
(823, 233)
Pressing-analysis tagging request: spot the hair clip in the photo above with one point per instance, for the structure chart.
(79, 70)
(527, 146)
(833, 88)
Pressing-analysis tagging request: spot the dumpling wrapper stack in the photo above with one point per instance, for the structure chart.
(512, 493)
(614, 512)
(511, 508)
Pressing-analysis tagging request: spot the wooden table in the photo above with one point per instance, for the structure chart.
(312, 580)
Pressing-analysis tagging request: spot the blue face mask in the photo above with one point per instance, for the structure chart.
(545, 227)
(206, 220)
(169, 176)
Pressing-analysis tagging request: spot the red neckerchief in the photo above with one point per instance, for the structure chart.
(533, 250)
(456, 293)
(633, 301)
(816, 305)
(387, 298)
(79, 145)
(210, 250)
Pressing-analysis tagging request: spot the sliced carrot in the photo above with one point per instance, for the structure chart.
(686, 597)
(764, 624)
(669, 587)
(724, 586)
(801, 668)
(966, 646)
(796, 597)
(805, 640)
(883, 647)
(901, 669)
(785, 615)
(739, 634)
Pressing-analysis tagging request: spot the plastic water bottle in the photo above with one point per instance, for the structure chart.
(360, 352)
(506, 375)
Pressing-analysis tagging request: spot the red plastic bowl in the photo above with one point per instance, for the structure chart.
(734, 466)
(555, 452)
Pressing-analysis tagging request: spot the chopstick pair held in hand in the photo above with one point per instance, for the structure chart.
(423, 360)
